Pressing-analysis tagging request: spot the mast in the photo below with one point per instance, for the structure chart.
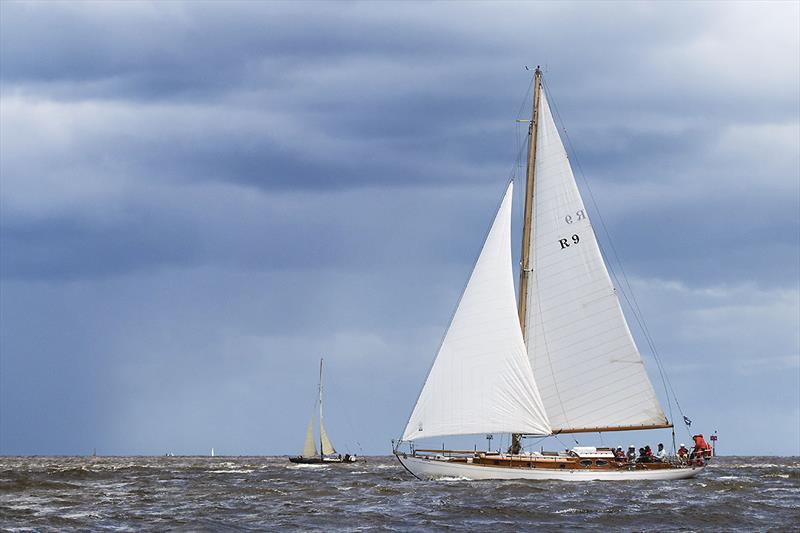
(321, 451)
(524, 263)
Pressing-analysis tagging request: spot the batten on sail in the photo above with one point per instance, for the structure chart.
(310, 447)
(587, 367)
(481, 380)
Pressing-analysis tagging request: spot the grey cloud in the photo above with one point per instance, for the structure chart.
(175, 227)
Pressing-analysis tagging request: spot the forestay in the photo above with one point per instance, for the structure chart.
(587, 367)
(481, 380)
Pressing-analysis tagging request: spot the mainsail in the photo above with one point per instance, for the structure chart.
(587, 367)
(325, 442)
(481, 379)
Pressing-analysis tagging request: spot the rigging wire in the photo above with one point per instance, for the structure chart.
(520, 146)
(632, 302)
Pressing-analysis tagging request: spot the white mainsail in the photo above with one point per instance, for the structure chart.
(481, 379)
(587, 367)
(310, 447)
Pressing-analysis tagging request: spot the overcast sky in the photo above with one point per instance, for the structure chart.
(198, 200)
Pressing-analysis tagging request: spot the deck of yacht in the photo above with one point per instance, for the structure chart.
(598, 459)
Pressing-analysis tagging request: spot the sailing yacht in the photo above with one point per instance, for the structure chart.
(327, 453)
(559, 360)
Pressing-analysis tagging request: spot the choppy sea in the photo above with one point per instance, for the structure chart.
(270, 494)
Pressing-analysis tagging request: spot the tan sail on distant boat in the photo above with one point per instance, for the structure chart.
(560, 360)
(327, 453)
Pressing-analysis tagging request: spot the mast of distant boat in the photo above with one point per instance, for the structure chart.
(321, 449)
(524, 263)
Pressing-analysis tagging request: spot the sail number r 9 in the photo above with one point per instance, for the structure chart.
(565, 242)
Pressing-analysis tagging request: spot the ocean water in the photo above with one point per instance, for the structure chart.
(270, 494)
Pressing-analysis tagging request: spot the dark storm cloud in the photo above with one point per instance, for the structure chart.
(164, 51)
(197, 199)
(67, 248)
(283, 231)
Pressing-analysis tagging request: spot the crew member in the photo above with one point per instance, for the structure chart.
(700, 447)
(661, 454)
(619, 455)
(648, 453)
(683, 453)
(643, 456)
(631, 454)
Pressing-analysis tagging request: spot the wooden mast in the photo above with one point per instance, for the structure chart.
(524, 263)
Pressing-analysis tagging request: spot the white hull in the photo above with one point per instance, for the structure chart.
(437, 469)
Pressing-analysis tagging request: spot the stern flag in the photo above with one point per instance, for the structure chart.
(687, 421)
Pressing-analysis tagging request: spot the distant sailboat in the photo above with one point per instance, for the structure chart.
(562, 361)
(327, 453)
(212, 452)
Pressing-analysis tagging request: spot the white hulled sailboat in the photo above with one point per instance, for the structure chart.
(561, 360)
(327, 453)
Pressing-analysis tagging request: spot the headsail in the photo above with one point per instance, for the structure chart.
(587, 367)
(309, 447)
(481, 379)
